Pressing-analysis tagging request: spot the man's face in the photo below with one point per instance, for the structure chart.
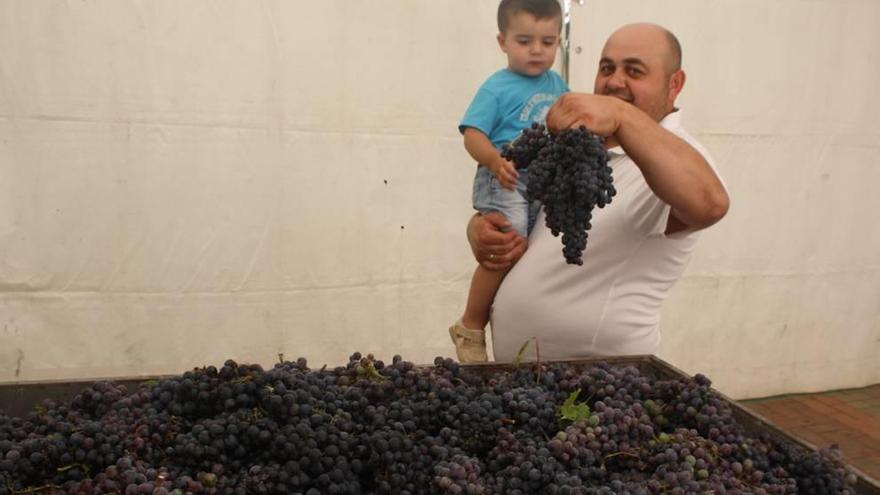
(635, 68)
(530, 43)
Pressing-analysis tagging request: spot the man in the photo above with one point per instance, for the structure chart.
(639, 244)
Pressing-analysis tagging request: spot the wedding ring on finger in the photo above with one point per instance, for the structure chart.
(491, 256)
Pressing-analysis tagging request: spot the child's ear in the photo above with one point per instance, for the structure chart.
(500, 39)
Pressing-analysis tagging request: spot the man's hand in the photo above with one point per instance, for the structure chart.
(505, 172)
(599, 113)
(495, 245)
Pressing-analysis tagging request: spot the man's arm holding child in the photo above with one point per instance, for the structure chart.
(494, 244)
(484, 152)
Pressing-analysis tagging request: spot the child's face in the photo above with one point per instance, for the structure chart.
(530, 43)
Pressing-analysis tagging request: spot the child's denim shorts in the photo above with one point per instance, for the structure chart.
(490, 195)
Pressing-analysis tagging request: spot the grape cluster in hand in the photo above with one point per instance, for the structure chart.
(373, 428)
(569, 174)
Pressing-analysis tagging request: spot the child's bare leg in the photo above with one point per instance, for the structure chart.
(484, 286)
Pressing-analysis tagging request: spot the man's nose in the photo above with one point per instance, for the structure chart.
(617, 80)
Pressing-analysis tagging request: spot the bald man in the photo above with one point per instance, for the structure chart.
(640, 244)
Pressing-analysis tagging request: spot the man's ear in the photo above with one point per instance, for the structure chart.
(676, 83)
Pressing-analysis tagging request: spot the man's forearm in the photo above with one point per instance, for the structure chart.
(676, 172)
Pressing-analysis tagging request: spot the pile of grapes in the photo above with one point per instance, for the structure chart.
(569, 175)
(375, 428)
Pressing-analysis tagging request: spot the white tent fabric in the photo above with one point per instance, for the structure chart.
(186, 182)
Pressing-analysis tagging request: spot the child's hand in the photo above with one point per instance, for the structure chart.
(505, 172)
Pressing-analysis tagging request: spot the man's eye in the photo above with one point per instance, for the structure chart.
(606, 69)
(633, 72)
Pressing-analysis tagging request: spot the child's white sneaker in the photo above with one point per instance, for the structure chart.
(470, 345)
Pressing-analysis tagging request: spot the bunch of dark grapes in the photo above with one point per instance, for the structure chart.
(569, 174)
(374, 428)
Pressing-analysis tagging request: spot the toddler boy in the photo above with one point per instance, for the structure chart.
(508, 102)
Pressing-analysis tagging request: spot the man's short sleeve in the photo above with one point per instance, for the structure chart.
(482, 114)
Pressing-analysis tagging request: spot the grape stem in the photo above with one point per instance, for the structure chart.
(35, 489)
(538, 356)
(537, 361)
(620, 453)
(609, 456)
(71, 466)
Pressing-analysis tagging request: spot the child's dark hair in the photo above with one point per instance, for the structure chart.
(541, 9)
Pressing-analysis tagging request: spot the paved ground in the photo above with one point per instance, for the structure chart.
(849, 418)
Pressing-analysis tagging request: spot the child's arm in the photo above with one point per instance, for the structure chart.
(485, 153)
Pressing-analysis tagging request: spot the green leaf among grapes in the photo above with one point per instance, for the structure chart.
(373, 373)
(519, 355)
(572, 411)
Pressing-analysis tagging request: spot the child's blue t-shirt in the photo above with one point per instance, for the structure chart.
(509, 102)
